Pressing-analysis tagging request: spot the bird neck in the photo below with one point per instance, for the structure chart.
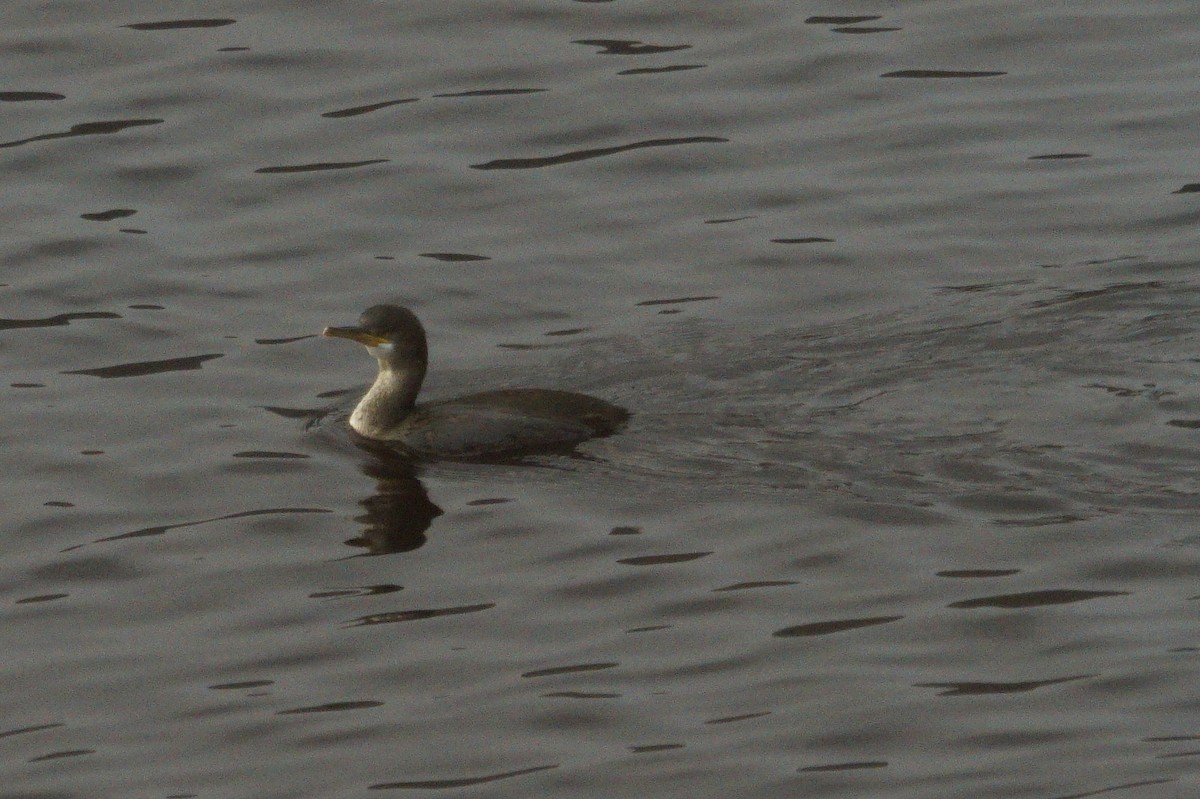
(391, 398)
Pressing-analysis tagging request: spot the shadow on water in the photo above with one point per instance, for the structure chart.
(397, 515)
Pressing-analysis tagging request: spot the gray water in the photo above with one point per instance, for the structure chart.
(903, 299)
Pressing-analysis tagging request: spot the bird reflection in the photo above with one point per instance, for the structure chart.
(398, 513)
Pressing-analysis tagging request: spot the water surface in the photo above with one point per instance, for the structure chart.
(903, 301)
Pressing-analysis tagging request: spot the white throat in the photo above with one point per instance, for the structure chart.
(382, 351)
(391, 397)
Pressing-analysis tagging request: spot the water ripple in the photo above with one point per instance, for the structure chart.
(162, 528)
(141, 368)
(599, 152)
(25, 97)
(658, 560)
(983, 688)
(835, 626)
(656, 70)
(100, 128)
(332, 707)
(940, 73)
(849, 766)
(108, 215)
(180, 24)
(320, 166)
(1034, 599)
(846, 20)
(58, 320)
(366, 109)
(629, 46)
(460, 782)
(454, 257)
(491, 92)
(582, 667)
(26, 730)
(392, 617)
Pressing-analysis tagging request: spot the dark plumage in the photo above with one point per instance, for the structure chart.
(488, 424)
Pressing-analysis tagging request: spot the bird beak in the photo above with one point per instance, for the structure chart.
(355, 334)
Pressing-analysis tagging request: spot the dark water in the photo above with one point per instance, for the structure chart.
(903, 299)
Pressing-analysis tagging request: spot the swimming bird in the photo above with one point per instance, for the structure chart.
(490, 424)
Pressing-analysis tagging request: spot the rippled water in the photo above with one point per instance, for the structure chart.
(903, 300)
